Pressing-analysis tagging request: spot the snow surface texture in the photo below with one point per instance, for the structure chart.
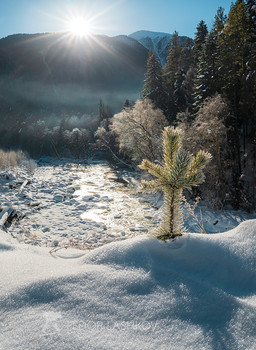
(196, 292)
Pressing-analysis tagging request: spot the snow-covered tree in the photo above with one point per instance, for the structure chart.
(180, 170)
(206, 72)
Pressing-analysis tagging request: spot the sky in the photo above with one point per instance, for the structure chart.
(109, 17)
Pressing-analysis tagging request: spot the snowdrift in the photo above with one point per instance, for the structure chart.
(196, 292)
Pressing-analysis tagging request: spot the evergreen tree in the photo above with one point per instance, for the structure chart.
(235, 44)
(236, 82)
(251, 77)
(181, 94)
(188, 88)
(179, 97)
(206, 79)
(175, 70)
(101, 111)
(173, 61)
(187, 55)
(127, 104)
(220, 20)
(200, 36)
(104, 111)
(251, 101)
(105, 114)
(200, 56)
(180, 170)
(153, 86)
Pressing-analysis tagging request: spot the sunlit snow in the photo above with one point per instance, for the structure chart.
(131, 291)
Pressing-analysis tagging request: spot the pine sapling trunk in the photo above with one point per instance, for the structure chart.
(172, 213)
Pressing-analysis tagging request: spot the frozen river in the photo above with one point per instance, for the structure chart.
(87, 205)
(78, 204)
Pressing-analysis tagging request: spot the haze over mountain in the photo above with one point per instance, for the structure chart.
(61, 70)
(55, 69)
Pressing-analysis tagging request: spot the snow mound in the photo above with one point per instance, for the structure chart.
(225, 260)
(196, 292)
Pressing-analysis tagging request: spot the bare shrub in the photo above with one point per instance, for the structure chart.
(14, 159)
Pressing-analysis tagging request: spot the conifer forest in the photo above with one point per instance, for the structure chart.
(208, 89)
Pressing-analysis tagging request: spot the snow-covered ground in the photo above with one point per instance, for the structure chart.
(196, 292)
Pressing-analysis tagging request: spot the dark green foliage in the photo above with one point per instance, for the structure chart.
(153, 86)
(220, 20)
(225, 63)
(174, 61)
(178, 63)
(104, 114)
(206, 80)
(200, 36)
(127, 104)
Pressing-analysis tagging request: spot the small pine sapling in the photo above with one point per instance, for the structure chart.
(181, 170)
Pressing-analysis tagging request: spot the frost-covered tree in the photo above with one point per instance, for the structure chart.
(138, 131)
(180, 170)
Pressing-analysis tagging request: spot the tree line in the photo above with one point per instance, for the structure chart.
(208, 89)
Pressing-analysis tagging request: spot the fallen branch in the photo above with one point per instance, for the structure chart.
(23, 185)
(7, 217)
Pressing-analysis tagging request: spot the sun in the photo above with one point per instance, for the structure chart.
(80, 27)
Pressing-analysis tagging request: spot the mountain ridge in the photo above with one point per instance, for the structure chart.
(59, 69)
(56, 68)
(159, 42)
